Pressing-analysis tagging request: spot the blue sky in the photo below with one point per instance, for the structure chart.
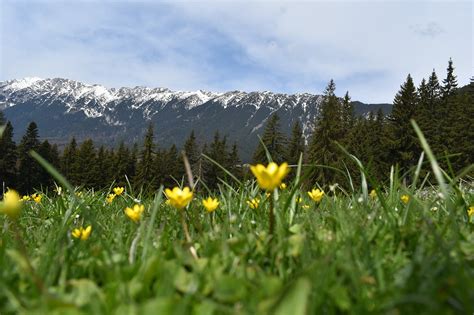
(367, 47)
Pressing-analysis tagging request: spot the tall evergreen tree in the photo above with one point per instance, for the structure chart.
(46, 151)
(145, 170)
(192, 152)
(403, 140)
(218, 152)
(8, 158)
(86, 154)
(234, 165)
(450, 84)
(28, 169)
(296, 145)
(121, 164)
(274, 140)
(328, 129)
(69, 162)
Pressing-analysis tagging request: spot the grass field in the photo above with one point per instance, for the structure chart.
(396, 250)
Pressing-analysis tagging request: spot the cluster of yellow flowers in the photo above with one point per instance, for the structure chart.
(35, 197)
(405, 198)
(82, 233)
(117, 192)
(470, 211)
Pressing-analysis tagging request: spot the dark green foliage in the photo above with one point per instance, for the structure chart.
(450, 84)
(8, 158)
(234, 164)
(402, 139)
(51, 154)
(191, 149)
(328, 129)
(218, 152)
(274, 140)
(69, 165)
(145, 168)
(296, 145)
(86, 173)
(28, 169)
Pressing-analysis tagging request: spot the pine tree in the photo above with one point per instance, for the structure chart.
(192, 152)
(8, 158)
(145, 170)
(121, 164)
(403, 140)
(329, 128)
(102, 168)
(234, 165)
(218, 152)
(86, 154)
(296, 145)
(28, 169)
(450, 83)
(69, 162)
(46, 151)
(274, 140)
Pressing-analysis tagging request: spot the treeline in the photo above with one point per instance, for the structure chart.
(444, 112)
(86, 165)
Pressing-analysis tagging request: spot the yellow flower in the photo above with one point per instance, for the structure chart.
(405, 199)
(282, 186)
(470, 212)
(37, 198)
(179, 198)
(270, 177)
(118, 190)
(316, 194)
(306, 207)
(299, 200)
(136, 213)
(11, 204)
(253, 203)
(79, 193)
(82, 233)
(25, 198)
(210, 204)
(110, 198)
(373, 194)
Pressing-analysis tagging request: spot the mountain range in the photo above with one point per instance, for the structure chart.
(64, 108)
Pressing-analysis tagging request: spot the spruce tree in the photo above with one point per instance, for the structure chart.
(45, 150)
(121, 164)
(403, 140)
(145, 169)
(234, 165)
(218, 152)
(450, 83)
(28, 169)
(69, 162)
(8, 158)
(296, 145)
(328, 129)
(192, 151)
(86, 154)
(274, 140)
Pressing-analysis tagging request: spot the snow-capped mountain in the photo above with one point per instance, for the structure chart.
(64, 108)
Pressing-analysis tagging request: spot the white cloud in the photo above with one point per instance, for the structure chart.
(367, 47)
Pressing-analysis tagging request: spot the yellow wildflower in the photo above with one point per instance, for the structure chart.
(470, 211)
(373, 194)
(306, 207)
(37, 197)
(119, 190)
(210, 204)
(253, 203)
(82, 233)
(25, 198)
(282, 186)
(405, 199)
(135, 214)
(316, 194)
(179, 198)
(299, 200)
(270, 177)
(110, 198)
(79, 193)
(11, 204)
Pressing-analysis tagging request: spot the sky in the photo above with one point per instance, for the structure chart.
(367, 47)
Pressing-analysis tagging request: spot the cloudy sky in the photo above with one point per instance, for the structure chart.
(368, 47)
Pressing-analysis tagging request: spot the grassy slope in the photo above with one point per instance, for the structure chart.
(344, 255)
